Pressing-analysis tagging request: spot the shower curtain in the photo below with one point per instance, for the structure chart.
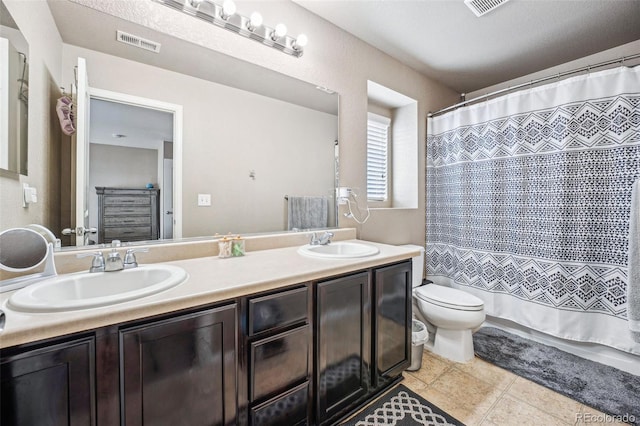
(528, 200)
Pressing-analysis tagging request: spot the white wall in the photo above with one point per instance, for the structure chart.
(45, 56)
(119, 167)
(224, 139)
(405, 165)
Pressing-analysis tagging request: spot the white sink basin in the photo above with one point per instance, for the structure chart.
(89, 290)
(339, 250)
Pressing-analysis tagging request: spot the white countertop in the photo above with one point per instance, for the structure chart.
(211, 280)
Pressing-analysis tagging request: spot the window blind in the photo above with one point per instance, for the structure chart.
(377, 157)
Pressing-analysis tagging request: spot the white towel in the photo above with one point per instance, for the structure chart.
(633, 283)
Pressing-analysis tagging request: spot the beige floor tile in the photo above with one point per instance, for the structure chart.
(413, 383)
(469, 415)
(470, 391)
(511, 411)
(428, 355)
(545, 399)
(487, 372)
(432, 367)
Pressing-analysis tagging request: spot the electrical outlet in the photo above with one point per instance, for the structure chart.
(204, 200)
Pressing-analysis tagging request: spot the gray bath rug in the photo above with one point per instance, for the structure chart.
(401, 407)
(599, 386)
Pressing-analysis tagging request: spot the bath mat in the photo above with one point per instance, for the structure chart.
(599, 386)
(401, 407)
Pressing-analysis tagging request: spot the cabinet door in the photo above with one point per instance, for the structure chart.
(278, 362)
(392, 321)
(343, 345)
(49, 386)
(180, 371)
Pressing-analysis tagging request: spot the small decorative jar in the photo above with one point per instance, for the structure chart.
(224, 247)
(237, 246)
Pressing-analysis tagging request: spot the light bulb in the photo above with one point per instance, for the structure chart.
(301, 41)
(255, 21)
(280, 31)
(228, 9)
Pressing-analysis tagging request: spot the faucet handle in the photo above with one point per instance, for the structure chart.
(314, 239)
(130, 260)
(97, 265)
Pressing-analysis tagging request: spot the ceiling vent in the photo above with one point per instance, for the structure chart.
(136, 41)
(482, 7)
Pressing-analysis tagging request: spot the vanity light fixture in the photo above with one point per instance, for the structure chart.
(225, 16)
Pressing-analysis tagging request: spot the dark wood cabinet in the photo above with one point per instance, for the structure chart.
(342, 344)
(363, 338)
(392, 321)
(180, 371)
(128, 214)
(280, 359)
(52, 385)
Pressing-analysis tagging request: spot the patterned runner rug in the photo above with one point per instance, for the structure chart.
(600, 386)
(401, 407)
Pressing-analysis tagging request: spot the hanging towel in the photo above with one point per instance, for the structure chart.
(64, 108)
(308, 212)
(633, 284)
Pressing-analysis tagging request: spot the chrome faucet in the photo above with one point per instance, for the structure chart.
(97, 265)
(322, 241)
(130, 260)
(114, 262)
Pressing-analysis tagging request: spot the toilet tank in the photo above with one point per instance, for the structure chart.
(418, 265)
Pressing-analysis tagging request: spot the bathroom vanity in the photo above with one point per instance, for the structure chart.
(268, 338)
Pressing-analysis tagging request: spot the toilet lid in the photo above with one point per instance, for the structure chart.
(449, 297)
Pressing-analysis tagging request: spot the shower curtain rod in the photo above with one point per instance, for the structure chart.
(532, 82)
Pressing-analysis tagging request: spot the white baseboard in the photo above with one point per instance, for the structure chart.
(599, 353)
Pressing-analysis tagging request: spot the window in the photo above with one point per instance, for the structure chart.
(378, 130)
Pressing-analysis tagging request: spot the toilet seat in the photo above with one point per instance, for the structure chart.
(448, 297)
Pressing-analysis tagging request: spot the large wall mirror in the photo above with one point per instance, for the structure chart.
(14, 96)
(250, 139)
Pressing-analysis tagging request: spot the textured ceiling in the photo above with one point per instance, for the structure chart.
(445, 40)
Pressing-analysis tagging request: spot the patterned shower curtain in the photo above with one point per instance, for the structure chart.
(528, 200)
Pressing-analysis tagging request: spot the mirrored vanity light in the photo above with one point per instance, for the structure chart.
(225, 16)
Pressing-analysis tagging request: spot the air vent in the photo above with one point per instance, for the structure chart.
(482, 7)
(136, 41)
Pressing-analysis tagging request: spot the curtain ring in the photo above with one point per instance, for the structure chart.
(622, 62)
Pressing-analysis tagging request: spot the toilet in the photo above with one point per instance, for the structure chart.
(453, 313)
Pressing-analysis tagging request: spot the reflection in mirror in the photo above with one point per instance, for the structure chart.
(253, 139)
(14, 92)
(21, 249)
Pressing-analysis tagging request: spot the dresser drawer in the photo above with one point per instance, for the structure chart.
(127, 232)
(278, 310)
(127, 210)
(291, 408)
(127, 201)
(111, 221)
(278, 362)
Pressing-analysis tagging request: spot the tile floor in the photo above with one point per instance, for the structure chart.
(479, 393)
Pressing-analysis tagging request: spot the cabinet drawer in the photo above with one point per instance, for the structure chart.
(127, 210)
(127, 220)
(278, 310)
(291, 408)
(127, 201)
(278, 362)
(134, 231)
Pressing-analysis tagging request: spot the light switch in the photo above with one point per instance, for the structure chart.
(29, 195)
(204, 200)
